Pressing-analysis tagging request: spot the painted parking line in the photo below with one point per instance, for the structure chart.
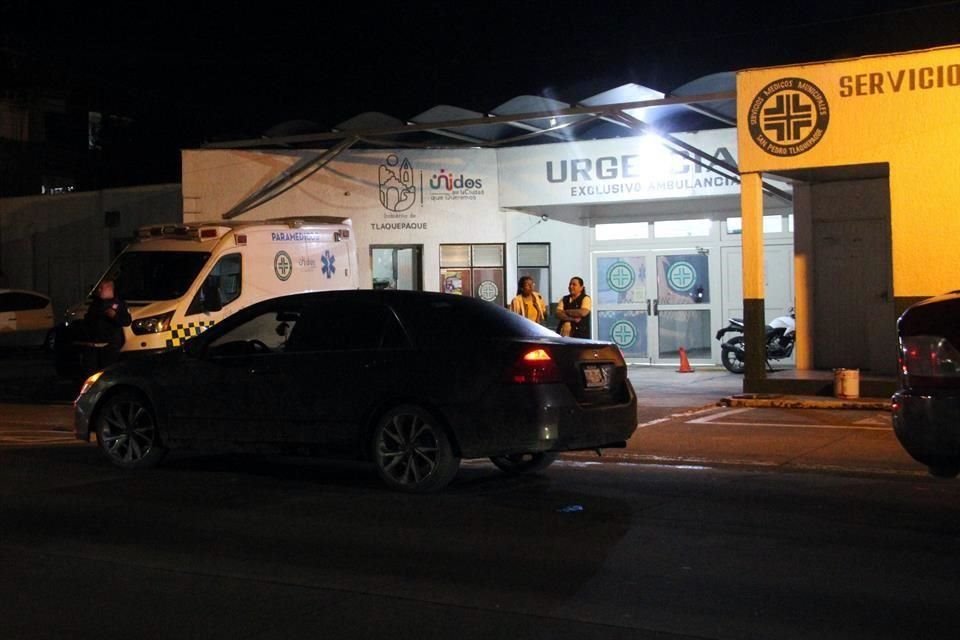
(717, 419)
(674, 416)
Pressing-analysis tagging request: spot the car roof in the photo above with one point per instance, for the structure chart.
(33, 293)
(939, 315)
(382, 295)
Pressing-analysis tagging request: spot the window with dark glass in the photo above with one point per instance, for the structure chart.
(227, 277)
(533, 259)
(19, 301)
(345, 326)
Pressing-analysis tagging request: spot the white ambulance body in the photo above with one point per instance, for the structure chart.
(178, 280)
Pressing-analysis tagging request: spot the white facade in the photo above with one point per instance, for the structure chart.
(464, 214)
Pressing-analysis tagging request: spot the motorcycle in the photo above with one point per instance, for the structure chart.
(781, 336)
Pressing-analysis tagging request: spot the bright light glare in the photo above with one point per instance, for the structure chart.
(89, 382)
(653, 156)
(538, 354)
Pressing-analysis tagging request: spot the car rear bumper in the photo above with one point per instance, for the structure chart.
(928, 426)
(546, 418)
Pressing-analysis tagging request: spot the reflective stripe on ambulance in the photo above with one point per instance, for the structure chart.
(183, 332)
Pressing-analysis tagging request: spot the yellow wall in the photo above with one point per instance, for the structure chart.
(900, 109)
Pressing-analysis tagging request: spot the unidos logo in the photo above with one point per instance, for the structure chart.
(788, 117)
(448, 182)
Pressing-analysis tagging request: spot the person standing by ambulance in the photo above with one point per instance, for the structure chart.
(528, 303)
(574, 311)
(104, 321)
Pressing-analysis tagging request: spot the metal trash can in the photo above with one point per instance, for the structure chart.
(846, 383)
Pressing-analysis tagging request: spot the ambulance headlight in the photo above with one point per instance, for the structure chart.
(153, 324)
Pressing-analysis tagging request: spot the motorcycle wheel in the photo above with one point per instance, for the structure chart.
(731, 358)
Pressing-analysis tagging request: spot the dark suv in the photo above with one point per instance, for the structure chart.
(926, 408)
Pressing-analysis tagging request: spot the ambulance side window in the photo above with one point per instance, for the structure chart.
(227, 275)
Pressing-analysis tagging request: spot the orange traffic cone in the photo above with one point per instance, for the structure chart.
(684, 363)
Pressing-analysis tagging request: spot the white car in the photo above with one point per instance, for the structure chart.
(26, 318)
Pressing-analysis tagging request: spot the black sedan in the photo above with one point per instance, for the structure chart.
(413, 381)
(926, 408)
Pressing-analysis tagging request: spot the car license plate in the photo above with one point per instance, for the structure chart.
(595, 376)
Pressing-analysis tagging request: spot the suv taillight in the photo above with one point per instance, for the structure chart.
(928, 361)
(535, 367)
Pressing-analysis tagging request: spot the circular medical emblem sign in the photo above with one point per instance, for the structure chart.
(620, 277)
(488, 291)
(623, 333)
(681, 276)
(282, 265)
(788, 117)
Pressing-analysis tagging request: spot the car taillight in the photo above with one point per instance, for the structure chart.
(535, 367)
(929, 361)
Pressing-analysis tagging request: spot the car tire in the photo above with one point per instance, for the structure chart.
(524, 462)
(731, 359)
(127, 432)
(412, 451)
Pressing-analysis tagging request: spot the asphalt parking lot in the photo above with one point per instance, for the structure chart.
(683, 419)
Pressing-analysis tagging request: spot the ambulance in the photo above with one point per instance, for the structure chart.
(180, 279)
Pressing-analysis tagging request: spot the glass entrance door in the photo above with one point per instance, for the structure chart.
(396, 267)
(652, 303)
(682, 306)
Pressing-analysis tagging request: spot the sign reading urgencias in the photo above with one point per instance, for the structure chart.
(618, 170)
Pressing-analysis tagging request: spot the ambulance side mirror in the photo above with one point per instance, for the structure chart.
(211, 295)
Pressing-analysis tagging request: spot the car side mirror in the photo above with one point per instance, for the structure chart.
(211, 295)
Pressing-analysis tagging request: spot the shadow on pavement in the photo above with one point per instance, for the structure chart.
(27, 376)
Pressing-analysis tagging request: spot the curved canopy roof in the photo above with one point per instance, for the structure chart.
(627, 110)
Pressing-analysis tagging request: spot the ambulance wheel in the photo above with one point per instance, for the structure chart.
(413, 452)
(524, 462)
(127, 432)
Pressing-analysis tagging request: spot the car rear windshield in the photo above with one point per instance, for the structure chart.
(155, 275)
(441, 322)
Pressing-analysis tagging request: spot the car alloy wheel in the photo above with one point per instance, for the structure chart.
(413, 452)
(127, 432)
(524, 462)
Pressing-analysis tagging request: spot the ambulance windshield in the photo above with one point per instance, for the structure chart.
(148, 276)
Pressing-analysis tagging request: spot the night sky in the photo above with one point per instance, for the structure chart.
(203, 71)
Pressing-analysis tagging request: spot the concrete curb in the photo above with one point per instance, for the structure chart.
(805, 402)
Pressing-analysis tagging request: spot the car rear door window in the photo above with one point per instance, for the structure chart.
(340, 325)
(455, 320)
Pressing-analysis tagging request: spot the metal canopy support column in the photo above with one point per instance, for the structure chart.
(289, 179)
(751, 205)
(803, 276)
